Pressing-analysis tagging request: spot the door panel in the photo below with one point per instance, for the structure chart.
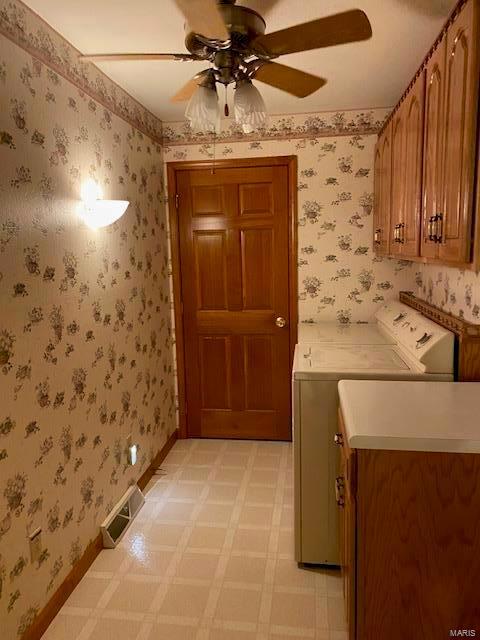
(462, 76)
(210, 269)
(433, 149)
(257, 275)
(413, 150)
(215, 355)
(234, 254)
(259, 381)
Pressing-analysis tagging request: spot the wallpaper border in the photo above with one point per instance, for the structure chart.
(26, 29)
(298, 126)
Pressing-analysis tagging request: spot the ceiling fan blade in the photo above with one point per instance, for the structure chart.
(340, 28)
(203, 17)
(113, 57)
(293, 81)
(188, 89)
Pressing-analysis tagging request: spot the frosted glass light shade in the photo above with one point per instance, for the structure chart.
(101, 213)
(96, 212)
(203, 111)
(249, 107)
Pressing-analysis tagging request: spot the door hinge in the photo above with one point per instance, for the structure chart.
(177, 198)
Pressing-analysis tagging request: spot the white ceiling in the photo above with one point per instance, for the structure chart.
(363, 75)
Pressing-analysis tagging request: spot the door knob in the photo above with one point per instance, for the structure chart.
(280, 322)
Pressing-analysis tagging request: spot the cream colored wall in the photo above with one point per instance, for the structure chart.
(339, 277)
(85, 333)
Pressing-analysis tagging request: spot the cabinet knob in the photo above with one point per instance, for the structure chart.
(280, 322)
(338, 439)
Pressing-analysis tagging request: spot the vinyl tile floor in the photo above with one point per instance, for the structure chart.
(209, 557)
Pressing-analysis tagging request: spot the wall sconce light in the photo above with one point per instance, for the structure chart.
(97, 212)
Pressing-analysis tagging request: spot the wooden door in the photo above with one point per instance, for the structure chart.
(433, 150)
(236, 268)
(381, 214)
(461, 104)
(413, 109)
(398, 178)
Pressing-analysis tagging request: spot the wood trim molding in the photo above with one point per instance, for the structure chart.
(459, 326)
(449, 21)
(172, 169)
(80, 568)
(467, 343)
(157, 461)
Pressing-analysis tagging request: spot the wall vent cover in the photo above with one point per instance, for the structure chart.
(119, 519)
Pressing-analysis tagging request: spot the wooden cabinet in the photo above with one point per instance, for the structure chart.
(461, 110)
(381, 214)
(410, 540)
(406, 178)
(433, 149)
(345, 493)
(434, 144)
(413, 158)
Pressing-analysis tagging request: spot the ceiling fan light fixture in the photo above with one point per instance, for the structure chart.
(203, 112)
(248, 105)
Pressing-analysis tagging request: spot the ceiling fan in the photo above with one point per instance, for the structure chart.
(232, 39)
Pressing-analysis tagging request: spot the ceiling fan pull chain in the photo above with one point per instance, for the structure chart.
(226, 110)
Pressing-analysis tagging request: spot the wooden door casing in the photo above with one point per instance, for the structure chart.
(433, 148)
(235, 240)
(461, 104)
(413, 110)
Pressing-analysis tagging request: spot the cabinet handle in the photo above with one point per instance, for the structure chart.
(401, 233)
(338, 439)
(339, 486)
(439, 227)
(435, 227)
(377, 236)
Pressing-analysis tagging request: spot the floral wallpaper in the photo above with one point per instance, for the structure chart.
(453, 290)
(85, 331)
(339, 277)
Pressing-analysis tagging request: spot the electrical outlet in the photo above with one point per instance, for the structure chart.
(35, 545)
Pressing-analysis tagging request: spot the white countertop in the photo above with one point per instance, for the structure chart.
(411, 416)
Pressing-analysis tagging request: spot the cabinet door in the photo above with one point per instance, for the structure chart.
(433, 150)
(345, 490)
(381, 214)
(386, 172)
(413, 163)
(461, 102)
(398, 178)
(378, 198)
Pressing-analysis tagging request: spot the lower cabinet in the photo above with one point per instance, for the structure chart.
(410, 543)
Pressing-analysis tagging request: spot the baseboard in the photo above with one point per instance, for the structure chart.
(80, 568)
(56, 602)
(157, 461)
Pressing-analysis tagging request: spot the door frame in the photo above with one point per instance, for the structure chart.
(231, 163)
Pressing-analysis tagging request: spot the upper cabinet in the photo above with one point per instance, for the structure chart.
(433, 150)
(434, 144)
(461, 109)
(407, 156)
(383, 172)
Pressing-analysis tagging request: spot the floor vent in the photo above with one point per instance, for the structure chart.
(120, 518)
